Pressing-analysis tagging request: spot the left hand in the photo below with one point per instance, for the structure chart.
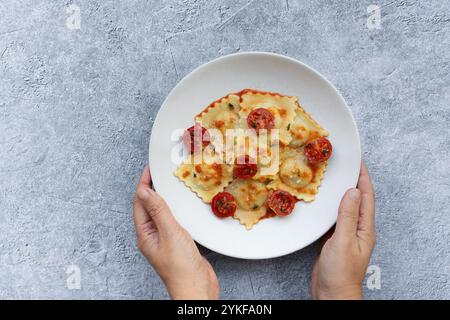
(169, 248)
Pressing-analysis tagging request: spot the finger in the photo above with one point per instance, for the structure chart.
(347, 221)
(156, 208)
(366, 225)
(326, 236)
(146, 178)
(140, 214)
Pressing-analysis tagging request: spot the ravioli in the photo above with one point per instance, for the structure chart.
(267, 159)
(297, 176)
(281, 107)
(280, 159)
(205, 179)
(304, 128)
(250, 198)
(221, 115)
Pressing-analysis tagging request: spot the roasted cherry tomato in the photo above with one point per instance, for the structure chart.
(318, 150)
(261, 119)
(244, 167)
(223, 204)
(192, 142)
(281, 202)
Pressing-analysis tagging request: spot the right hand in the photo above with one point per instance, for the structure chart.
(341, 266)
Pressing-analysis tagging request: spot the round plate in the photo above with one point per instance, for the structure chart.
(267, 72)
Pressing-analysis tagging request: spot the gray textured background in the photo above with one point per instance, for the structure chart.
(77, 106)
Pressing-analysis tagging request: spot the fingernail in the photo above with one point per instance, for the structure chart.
(354, 194)
(143, 193)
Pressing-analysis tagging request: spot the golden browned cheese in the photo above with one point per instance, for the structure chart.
(221, 115)
(281, 107)
(304, 128)
(297, 176)
(251, 196)
(206, 180)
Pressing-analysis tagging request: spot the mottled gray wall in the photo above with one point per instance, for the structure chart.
(77, 106)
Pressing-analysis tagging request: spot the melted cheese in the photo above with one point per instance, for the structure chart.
(304, 128)
(268, 157)
(295, 173)
(265, 149)
(282, 108)
(251, 199)
(221, 115)
(205, 179)
(297, 176)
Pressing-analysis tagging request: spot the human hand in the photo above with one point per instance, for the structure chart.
(341, 266)
(169, 248)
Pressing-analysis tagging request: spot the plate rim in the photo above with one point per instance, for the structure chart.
(268, 54)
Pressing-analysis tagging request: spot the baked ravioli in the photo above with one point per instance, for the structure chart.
(297, 176)
(253, 155)
(281, 107)
(251, 196)
(206, 180)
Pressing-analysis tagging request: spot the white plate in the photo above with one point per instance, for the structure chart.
(269, 72)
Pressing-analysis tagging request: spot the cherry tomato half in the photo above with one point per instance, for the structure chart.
(245, 167)
(193, 136)
(261, 118)
(223, 205)
(281, 202)
(318, 150)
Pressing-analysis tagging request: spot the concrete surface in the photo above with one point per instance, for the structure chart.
(77, 105)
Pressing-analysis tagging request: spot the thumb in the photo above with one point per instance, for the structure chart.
(157, 209)
(347, 220)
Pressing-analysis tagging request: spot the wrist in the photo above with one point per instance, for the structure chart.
(191, 294)
(191, 290)
(351, 292)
